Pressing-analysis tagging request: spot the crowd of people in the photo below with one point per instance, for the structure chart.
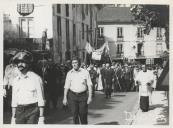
(109, 78)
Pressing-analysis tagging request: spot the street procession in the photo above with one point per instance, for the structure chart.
(86, 64)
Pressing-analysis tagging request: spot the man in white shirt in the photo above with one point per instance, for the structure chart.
(27, 92)
(144, 79)
(77, 83)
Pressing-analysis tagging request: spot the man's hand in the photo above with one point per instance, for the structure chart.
(4, 92)
(13, 120)
(64, 101)
(89, 100)
(41, 120)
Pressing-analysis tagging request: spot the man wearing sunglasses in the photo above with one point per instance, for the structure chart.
(27, 92)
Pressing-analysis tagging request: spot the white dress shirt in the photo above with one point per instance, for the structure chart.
(27, 89)
(78, 81)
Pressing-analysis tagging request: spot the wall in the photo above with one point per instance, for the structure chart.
(130, 40)
(75, 17)
(42, 18)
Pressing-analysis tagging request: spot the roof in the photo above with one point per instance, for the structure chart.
(115, 15)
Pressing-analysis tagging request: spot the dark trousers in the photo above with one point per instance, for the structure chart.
(108, 90)
(79, 107)
(93, 87)
(27, 114)
(126, 85)
(144, 103)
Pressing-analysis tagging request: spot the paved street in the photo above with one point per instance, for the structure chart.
(115, 111)
(101, 110)
(158, 113)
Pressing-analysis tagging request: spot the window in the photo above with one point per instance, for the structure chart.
(74, 34)
(73, 6)
(26, 29)
(67, 10)
(91, 16)
(86, 9)
(87, 32)
(100, 32)
(119, 48)
(140, 32)
(83, 33)
(67, 35)
(82, 11)
(159, 33)
(119, 32)
(58, 8)
(67, 55)
(159, 48)
(140, 49)
(59, 26)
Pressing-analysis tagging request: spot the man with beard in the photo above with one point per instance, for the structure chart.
(77, 83)
(27, 92)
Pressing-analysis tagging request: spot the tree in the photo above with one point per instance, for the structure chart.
(152, 16)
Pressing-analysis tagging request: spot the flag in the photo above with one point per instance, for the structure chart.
(88, 48)
(106, 48)
(96, 55)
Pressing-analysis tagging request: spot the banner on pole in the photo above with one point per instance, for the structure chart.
(96, 55)
(89, 49)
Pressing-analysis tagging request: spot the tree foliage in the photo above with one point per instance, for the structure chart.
(152, 16)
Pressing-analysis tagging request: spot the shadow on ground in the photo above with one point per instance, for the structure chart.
(165, 119)
(108, 123)
(62, 116)
(152, 107)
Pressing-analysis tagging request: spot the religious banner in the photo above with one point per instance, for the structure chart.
(96, 55)
(89, 48)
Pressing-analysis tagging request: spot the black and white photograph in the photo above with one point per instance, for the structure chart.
(87, 64)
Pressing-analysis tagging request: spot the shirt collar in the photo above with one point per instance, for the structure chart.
(25, 76)
(75, 70)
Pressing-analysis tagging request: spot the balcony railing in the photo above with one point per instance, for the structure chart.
(120, 55)
(159, 38)
(120, 38)
(140, 55)
(140, 38)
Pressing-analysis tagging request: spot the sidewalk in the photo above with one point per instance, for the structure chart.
(158, 113)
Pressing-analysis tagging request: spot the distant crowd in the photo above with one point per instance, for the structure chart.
(109, 78)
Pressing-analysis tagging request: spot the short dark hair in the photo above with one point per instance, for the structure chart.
(76, 58)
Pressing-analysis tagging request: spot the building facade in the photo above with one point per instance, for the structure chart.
(24, 24)
(68, 27)
(126, 37)
(73, 26)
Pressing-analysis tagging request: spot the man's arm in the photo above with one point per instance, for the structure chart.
(66, 88)
(65, 96)
(13, 112)
(89, 84)
(41, 97)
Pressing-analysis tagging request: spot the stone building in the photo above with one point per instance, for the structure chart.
(126, 37)
(68, 27)
(73, 26)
